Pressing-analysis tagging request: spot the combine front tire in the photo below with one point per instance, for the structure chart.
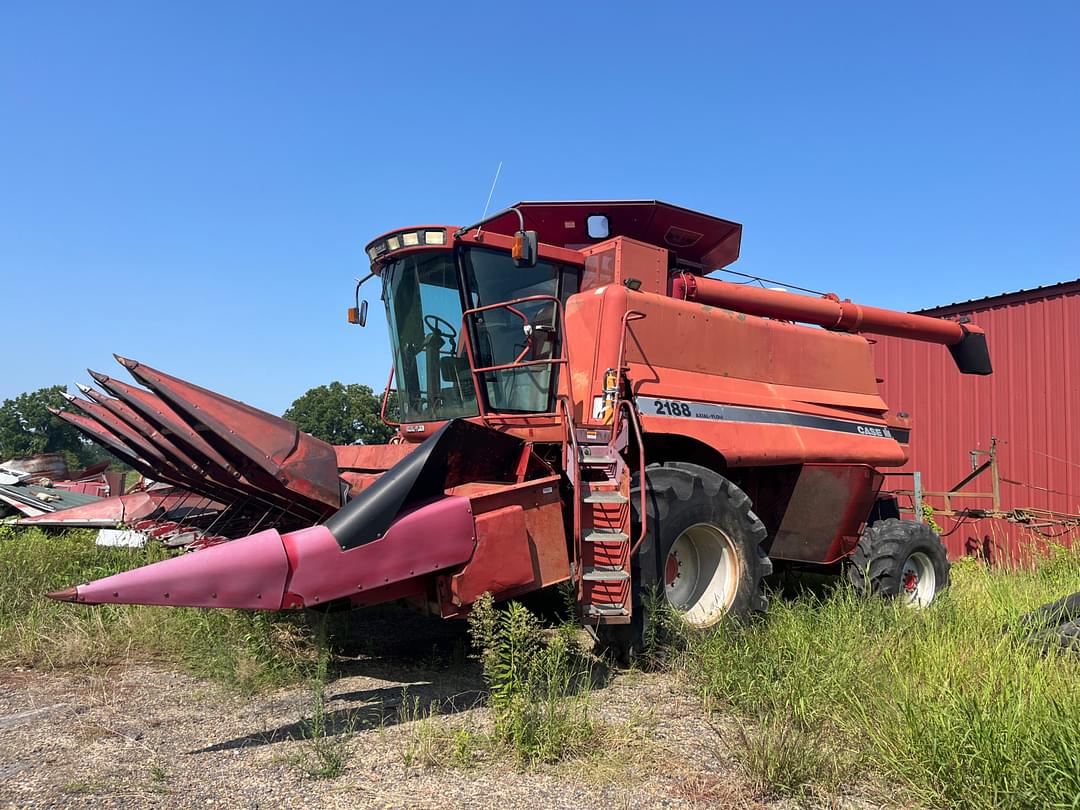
(702, 553)
(900, 559)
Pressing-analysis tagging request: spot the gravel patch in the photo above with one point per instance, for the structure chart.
(141, 735)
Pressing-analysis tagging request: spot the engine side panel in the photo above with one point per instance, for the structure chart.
(759, 391)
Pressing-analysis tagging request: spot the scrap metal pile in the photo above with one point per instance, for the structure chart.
(41, 484)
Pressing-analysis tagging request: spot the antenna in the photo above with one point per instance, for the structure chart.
(490, 193)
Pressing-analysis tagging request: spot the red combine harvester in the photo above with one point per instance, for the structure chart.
(579, 403)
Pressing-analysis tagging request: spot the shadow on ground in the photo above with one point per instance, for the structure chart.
(382, 707)
(424, 658)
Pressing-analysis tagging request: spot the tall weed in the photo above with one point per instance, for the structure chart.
(323, 751)
(539, 683)
(940, 703)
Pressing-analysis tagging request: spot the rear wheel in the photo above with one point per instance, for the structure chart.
(702, 553)
(900, 559)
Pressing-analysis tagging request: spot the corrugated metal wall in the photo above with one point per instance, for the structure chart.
(1031, 404)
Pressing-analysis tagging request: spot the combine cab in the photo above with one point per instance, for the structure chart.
(579, 402)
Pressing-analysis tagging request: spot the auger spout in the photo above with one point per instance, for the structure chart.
(966, 342)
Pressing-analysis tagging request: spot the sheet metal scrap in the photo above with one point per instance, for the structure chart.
(34, 499)
(161, 503)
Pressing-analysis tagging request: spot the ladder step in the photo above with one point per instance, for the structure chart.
(605, 537)
(606, 609)
(605, 496)
(606, 458)
(605, 573)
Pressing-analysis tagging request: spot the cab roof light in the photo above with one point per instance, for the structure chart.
(405, 239)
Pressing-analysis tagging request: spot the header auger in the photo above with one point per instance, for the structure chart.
(579, 402)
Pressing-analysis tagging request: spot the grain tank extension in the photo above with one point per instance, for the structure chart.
(580, 402)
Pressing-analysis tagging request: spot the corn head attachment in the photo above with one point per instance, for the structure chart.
(388, 542)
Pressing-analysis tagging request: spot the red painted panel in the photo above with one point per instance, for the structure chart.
(1030, 404)
(501, 561)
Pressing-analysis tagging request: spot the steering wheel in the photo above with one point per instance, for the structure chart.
(433, 322)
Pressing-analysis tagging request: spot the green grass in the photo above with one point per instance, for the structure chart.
(942, 707)
(324, 749)
(245, 650)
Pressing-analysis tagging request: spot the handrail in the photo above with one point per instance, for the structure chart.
(385, 399)
(516, 364)
(514, 311)
(566, 406)
(642, 483)
(631, 410)
(467, 340)
(630, 315)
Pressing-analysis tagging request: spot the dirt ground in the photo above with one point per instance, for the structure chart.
(145, 736)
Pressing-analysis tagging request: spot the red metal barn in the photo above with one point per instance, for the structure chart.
(1023, 421)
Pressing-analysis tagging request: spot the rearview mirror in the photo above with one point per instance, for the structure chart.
(358, 314)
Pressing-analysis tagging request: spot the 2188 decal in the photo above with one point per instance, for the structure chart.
(669, 407)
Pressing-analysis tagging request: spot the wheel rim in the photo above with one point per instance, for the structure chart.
(918, 582)
(701, 574)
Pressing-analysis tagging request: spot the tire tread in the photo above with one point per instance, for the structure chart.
(876, 563)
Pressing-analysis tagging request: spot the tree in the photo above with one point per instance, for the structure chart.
(27, 428)
(341, 414)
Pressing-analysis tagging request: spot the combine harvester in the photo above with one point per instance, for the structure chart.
(581, 403)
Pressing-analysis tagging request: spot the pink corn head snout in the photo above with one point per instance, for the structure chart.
(268, 571)
(246, 573)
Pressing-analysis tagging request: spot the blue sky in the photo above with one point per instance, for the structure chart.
(191, 184)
